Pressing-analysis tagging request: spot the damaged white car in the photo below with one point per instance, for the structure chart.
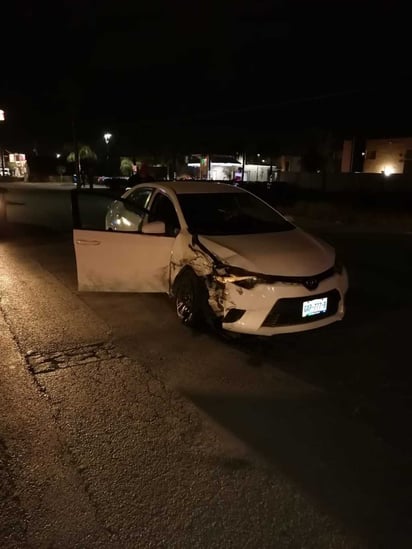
(224, 255)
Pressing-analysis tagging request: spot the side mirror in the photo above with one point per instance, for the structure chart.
(155, 227)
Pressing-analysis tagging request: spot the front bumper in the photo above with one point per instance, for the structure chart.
(259, 304)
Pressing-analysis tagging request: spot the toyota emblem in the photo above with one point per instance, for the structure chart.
(311, 283)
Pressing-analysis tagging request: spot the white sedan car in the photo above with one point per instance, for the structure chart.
(223, 254)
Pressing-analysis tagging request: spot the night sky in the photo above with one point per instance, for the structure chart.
(203, 74)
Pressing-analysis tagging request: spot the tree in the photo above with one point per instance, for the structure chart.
(126, 166)
(88, 160)
(85, 153)
(70, 93)
(13, 169)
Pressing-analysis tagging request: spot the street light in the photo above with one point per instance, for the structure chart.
(58, 155)
(107, 136)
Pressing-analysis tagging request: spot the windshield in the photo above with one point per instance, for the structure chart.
(230, 214)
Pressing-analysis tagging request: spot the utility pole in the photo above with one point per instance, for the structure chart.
(2, 121)
(76, 153)
(3, 169)
(243, 165)
(270, 181)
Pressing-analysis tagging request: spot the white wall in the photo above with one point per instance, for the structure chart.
(256, 172)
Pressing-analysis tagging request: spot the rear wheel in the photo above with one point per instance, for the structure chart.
(191, 299)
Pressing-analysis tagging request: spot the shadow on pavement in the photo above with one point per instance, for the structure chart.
(347, 474)
(22, 232)
(362, 361)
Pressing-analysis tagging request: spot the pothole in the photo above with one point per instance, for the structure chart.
(41, 363)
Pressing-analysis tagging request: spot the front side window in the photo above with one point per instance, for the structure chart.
(163, 210)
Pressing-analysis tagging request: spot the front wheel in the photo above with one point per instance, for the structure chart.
(191, 299)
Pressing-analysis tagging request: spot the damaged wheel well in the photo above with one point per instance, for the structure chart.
(202, 311)
(179, 276)
(204, 266)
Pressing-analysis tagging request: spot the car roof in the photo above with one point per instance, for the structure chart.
(191, 187)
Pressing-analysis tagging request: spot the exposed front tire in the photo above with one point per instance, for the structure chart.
(191, 299)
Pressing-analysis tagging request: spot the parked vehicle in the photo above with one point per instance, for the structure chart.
(114, 183)
(223, 254)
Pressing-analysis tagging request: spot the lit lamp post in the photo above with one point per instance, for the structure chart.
(107, 136)
(2, 119)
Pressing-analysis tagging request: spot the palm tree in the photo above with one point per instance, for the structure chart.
(126, 166)
(70, 93)
(85, 153)
(87, 160)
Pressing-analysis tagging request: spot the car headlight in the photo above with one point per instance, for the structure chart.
(338, 265)
(237, 276)
(247, 282)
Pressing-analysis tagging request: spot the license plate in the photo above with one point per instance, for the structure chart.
(314, 307)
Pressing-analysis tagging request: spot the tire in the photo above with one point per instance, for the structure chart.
(191, 299)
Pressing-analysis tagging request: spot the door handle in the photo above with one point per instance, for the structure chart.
(88, 242)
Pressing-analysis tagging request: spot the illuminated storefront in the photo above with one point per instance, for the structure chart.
(17, 164)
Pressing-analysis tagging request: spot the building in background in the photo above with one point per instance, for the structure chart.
(289, 163)
(256, 167)
(388, 156)
(214, 167)
(347, 156)
(16, 163)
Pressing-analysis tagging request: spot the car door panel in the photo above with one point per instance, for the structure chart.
(122, 262)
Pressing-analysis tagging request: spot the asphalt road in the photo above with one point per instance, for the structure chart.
(121, 428)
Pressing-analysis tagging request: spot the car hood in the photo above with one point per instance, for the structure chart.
(286, 253)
